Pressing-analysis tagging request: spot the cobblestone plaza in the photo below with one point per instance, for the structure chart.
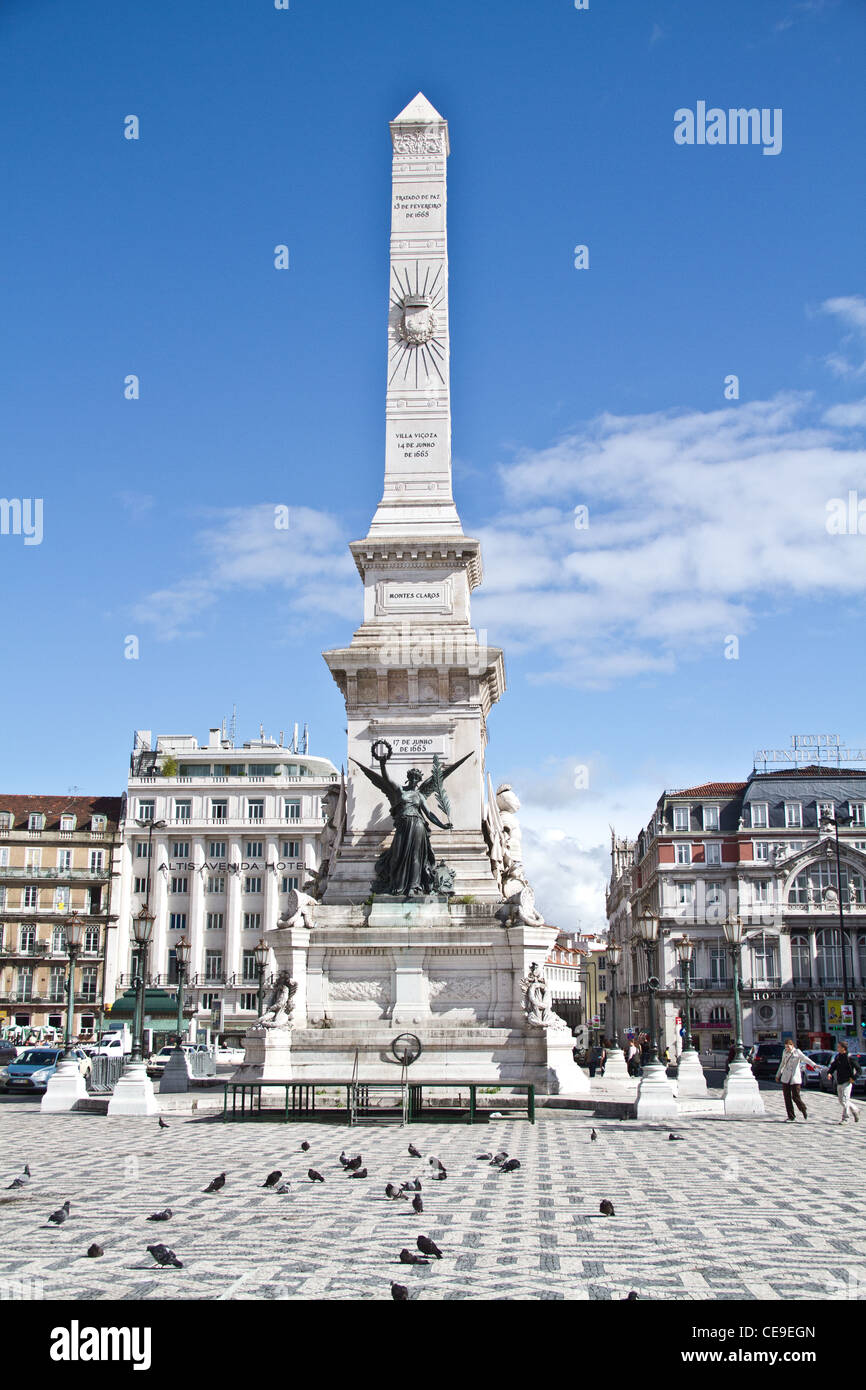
(737, 1210)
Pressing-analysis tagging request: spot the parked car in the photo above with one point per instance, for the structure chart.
(8, 1053)
(828, 1082)
(156, 1064)
(229, 1055)
(33, 1068)
(111, 1045)
(821, 1058)
(765, 1059)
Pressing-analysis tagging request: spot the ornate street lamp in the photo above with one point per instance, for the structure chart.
(685, 951)
(828, 823)
(262, 951)
(181, 955)
(142, 930)
(742, 1095)
(648, 932)
(614, 956)
(74, 939)
(655, 1098)
(735, 932)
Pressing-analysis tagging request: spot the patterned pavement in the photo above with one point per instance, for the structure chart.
(737, 1210)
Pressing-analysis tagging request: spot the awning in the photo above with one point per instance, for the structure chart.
(157, 1004)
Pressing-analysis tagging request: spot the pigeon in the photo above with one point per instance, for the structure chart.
(428, 1247)
(358, 1173)
(412, 1186)
(305, 1147)
(283, 1188)
(354, 1163)
(314, 1176)
(510, 1165)
(675, 1136)
(58, 1217)
(440, 1175)
(344, 1158)
(395, 1193)
(164, 1256)
(399, 1293)
(482, 1158)
(94, 1250)
(273, 1178)
(498, 1159)
(606, 1208)
(435, 1163)
(162, 1124)
(217, 1183)
(593, 1136)
(23, 1179)
(414, 1152)
(631, 1296)
(417, 1205)
(408, 1257)
(161, 1215)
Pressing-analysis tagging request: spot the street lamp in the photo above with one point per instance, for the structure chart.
(655, 1099)
(181, 955)
(828, 823)
(648, 931)
(685, 951)
(142, 930)
(262, 951)
(735, 932)
(74, 938)
(742, 1095)
(614, 956)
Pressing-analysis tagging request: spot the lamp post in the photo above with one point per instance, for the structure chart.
(685, 951)
(74, 938)
(66, 1087)
(690, 1074)
(655, 1099)
(742, 1096)
(832, 823)
(142, 930)
(615, 1069)
(133, 1094)
(262, 952)
(181, 955)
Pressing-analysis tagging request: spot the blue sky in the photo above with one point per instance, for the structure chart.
(601, 387)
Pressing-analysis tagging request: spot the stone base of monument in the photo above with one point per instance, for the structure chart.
(133, 1093)
(615, 1070)
(655, 1094)
(65, 1088)
(176, 1075)
(268, 1056)
(691, 1082)
(742, 1094)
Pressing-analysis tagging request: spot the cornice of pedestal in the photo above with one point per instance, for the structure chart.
(419, 552)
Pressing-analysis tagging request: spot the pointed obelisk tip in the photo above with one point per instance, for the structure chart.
(418, 112)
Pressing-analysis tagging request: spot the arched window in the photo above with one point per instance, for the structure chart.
(811, 883)
(719, 1014)
(801, 963)
(829, 947)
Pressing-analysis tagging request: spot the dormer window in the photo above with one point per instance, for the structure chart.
(6, 819)
(793, 815)
(98, 823)
(67, 821)
(711, 817)
(759, 815)
(681, 818)
(36, 820)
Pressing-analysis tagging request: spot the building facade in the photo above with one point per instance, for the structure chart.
(765, 850)
(59, 856)
(565, 972)
(214, 839)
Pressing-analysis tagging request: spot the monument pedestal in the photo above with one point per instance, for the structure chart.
(742, 1094)
(267, 1056)
(65, 1088)
(615, 1069)
(691, 1082)
(133, 1093)
(655, 1094)
(175, 1077)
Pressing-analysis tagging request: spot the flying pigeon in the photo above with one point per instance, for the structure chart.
(399, 1293)
(395, 1193)
(414, 1152)
(606, 1208)
(304, 1147)
(593, 1136)
(273, 1178)
(164, 1256)
(218, 1182)
(162, 1124)
(510, 1165)
(58, 1217)
(428, 1247)
(314, 1176)
(161, 1215)
(23, 1179)
(358, 1173)
(417, 1205)
(408, 1257)
(94, 1250)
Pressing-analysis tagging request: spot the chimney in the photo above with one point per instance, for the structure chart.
(214, 738)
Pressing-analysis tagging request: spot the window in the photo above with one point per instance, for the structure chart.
(88, 983)
(254, 849)
(180, 849)
(712, 852)
(250, 969)
(30, 896)
(759, 815)
(61, 899)
(98, 824)
(793, 815)
(291, 810)
(761, 890)
(139, 885)
(219, 810)
(801, 962)
(681, 818)
(177, 921)
(4, 856)
(97, 861)
(91, 940)
(291, 849)
(36, 821)
(823, 810)
(5, 820)
(213, 921)
(252, 921)
(27, 939)
(216, 849)
(146, 810)
(288, 882)
(684, 854)
(602, 982)
(255, 810)
(142, 849)
(810, 887)
(58, 939)
(861, 954)
(179, 884)
(67, 822)
(216, 883)
(718, 965)
(249, 1002)
(858, 844)
(209, 1001)
(2, 895)
(765, 962)
(711, 817)
(761, 851)
(252, 884)
(213, 965)
(25, 984)
(829, 949)
(719, 1014)
(685, 894)
(32, 858)
(64, 859)
(182, 810)
(857, 811)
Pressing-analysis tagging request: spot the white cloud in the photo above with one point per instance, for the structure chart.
(850, 310)
(849, 416)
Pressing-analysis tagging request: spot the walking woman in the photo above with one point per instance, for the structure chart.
(790, 1073)
(845, 1071)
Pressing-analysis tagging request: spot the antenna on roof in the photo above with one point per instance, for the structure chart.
(281, 738)
(306, 739)
(295, 740)
(233, 727)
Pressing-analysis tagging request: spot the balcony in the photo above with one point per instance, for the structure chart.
(33, 872)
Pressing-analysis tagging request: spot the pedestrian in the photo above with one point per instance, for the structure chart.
(632, 1061)
(602, 1061)
(790, 1073)
(845, 1071)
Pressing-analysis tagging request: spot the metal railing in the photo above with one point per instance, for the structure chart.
(201, 1064)
(104, 1074)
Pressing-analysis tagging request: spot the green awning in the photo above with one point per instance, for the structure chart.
(157, 1004)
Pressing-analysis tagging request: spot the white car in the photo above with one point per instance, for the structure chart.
(156, 1065)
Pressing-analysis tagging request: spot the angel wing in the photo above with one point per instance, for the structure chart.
(384, 784)
(428, 785)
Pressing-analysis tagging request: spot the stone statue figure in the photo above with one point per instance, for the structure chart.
(408, 867)
(299, 910)
(280, 1006)
(538, 1000)
(520, 910)
(334, 811)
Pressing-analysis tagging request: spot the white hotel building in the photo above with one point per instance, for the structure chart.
(214, 838)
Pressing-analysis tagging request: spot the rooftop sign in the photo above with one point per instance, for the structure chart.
(810, 749)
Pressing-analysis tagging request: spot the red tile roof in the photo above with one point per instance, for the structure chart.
(713, 789)
(82, 807)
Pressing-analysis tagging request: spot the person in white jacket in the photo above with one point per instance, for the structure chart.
(790, 1073)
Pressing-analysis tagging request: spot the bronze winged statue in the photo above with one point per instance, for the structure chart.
(407, 867)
